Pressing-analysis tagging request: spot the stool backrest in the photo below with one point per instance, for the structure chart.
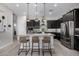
(46, 39)
(35, 39)
(22, 39)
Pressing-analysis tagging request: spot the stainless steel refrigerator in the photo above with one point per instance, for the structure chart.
(67, 34)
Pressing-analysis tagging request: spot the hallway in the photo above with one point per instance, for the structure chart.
(59, 50)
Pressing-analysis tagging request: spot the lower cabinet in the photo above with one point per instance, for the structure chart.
(76, 41)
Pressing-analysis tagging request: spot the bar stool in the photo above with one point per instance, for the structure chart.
(23, 41)
(46, 48)
(35, 39)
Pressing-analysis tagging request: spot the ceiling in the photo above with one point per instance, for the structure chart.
(56, 9)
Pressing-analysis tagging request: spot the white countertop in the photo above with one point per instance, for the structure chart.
(38, 34)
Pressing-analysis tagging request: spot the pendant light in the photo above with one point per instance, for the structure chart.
(50, 12)
(28, 11)
(43, 18)
(36, 13)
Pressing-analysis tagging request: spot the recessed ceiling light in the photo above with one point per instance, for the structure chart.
(55, 5)
(14, 24)
(35, 5)
(50, 13)
(17, 5)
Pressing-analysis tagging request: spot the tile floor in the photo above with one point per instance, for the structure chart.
(59, 50)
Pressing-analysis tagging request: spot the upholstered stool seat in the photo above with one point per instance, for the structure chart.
(24, 40)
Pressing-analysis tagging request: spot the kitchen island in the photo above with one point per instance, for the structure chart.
(41, 35)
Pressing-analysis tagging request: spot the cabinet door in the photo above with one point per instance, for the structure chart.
(37, 24)
(30, 23)
(76, 42)
(76, 18)
(58, 22)
(68, 17)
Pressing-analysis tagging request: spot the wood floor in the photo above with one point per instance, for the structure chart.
(59, 50)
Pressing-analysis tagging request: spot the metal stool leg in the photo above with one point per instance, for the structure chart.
(32, 49)
(29, 44)
(42, 48)
(49, 45)
(23, 49)
(28, 48)
(39, 48)
(20, 50)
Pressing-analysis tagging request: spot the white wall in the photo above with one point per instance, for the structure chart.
(6, 37)
(14, 20)
(21, 25)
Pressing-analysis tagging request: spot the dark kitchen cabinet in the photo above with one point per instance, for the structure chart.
(30, 23)
(59, 21)
(76, 18)
(68, 16)
(53, 24)
(76, 43)
(33, 24)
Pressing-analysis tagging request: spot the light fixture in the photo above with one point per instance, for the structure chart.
(43, 17)
(27, 11)
(50, 11)
(17, 5)
(14, 24)
(35, 4)
(36, 13)
(55, 5)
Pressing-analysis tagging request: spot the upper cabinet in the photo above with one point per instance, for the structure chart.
(69, 16)
(76, 18)
(33, 24)
(72, 15)
(53, 24)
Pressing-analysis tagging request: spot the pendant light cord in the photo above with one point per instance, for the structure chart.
(27, 11)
